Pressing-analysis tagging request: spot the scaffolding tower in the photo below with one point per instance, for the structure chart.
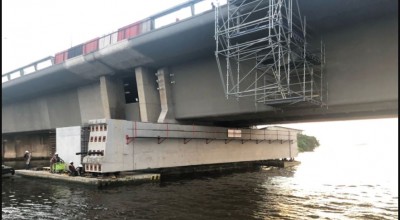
(262, 51)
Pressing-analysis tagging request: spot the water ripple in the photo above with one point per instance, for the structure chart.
(264, 194)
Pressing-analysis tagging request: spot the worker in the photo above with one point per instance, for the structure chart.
(72, 170)
(55, 159)
(28, 157)
(79, 169)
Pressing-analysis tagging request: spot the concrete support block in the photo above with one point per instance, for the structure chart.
(149, 100)
(167, 114)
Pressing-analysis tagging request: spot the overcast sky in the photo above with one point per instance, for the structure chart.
(32, 30)
(381, 132)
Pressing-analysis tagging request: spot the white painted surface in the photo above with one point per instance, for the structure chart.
(145, 26)
(145, 152)
(68, 143)
(108, 40)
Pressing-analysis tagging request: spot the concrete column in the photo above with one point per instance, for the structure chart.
(5, 148)
(116, 95)
(10, 148)
(167, 114)
(149, 100)
(112, 97)
(104, 97)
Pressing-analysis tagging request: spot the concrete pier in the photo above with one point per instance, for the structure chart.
(122, 179)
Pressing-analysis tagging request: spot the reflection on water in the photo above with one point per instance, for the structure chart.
(327, 185)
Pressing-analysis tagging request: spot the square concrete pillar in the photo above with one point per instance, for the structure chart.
(112, 98)
(149, 98)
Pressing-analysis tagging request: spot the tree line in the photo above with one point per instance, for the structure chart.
(306, 143)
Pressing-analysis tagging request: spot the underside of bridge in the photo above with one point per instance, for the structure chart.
(170, 74)
(247, 63)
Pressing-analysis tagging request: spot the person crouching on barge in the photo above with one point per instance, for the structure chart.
(72, 170)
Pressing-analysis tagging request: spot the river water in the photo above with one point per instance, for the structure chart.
(358, 183)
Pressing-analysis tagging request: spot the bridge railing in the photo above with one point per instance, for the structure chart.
(167, 17)
(27, 69)
(175, 131)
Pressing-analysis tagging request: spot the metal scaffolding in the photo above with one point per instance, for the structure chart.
(262, 51)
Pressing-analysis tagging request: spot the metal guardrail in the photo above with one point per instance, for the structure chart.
(189, 132)
(21, 71)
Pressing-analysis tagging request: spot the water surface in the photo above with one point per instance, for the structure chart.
(357, 183)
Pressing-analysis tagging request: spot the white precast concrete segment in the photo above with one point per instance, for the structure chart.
(152, 145)
(68, 143)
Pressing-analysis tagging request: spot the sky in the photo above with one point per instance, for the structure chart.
(32, 30)
(354, 132)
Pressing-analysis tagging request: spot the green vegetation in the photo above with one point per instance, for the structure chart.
(306, 143)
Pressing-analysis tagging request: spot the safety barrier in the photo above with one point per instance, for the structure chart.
(189, 132)
(27, 69)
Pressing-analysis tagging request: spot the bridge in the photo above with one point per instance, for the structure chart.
(170, 74)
